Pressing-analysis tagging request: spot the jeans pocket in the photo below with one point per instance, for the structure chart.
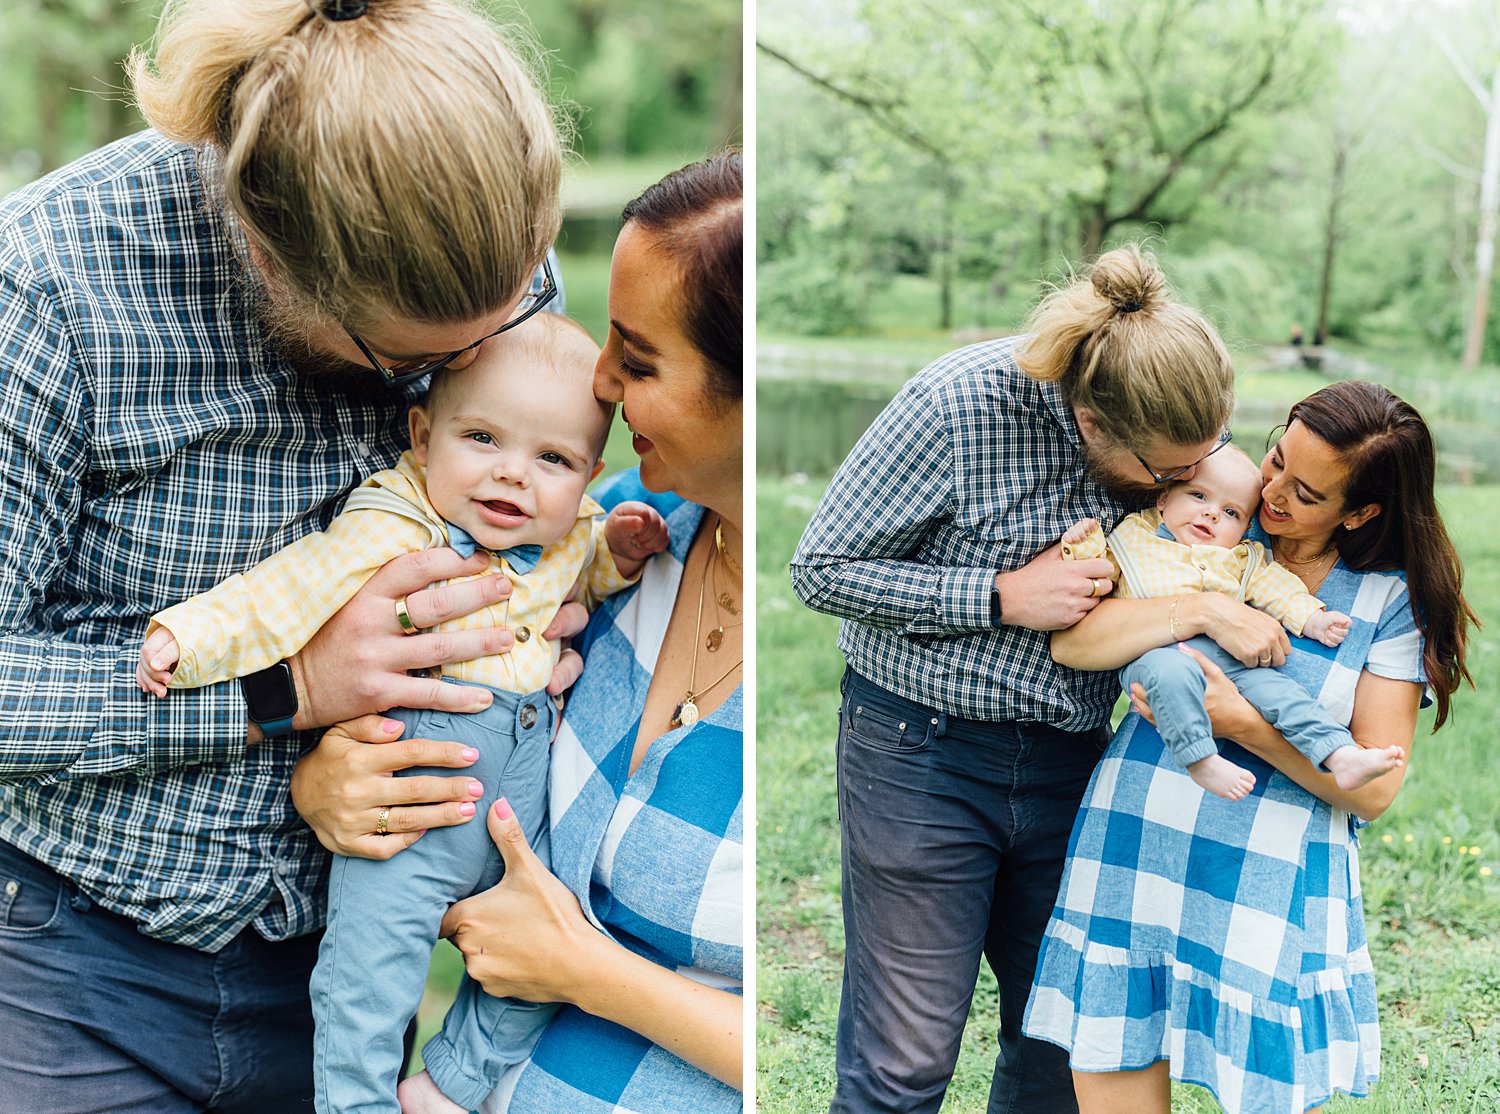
(884, 729)
(30, 894)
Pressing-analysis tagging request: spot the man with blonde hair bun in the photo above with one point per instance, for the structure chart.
(963, 749)
(210, 331)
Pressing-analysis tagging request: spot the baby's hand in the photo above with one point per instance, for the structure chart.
(634, 531)
(1328, 627)
(1077, 534)
(159, 656)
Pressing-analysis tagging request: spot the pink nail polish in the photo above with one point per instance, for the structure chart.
(502, 809)
(476, 789)
(470, 754)
(466, 809)
(392, 727)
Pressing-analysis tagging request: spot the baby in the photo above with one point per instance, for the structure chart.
(1193, 542)
(501, 452)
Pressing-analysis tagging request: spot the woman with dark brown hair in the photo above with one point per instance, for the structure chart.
(1222, 942)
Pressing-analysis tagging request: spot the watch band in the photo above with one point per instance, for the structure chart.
(271, 699)
(995, 620)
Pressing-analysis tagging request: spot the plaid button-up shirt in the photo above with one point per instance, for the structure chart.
(152, 443)
(972, 470)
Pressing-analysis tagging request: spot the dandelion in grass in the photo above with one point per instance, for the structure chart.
(1385, 838)
(1408, 837)
(1447, 839)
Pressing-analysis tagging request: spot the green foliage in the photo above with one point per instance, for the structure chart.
(1432, 889)
(812, 296)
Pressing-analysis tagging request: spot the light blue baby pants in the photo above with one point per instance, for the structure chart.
(1174, 685)
(383, 919)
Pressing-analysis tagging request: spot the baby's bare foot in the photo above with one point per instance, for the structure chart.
(1221, 777)
(420, 1095)
(1353, 766)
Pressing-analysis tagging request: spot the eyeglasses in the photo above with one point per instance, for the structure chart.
(407, 370)
(1165, 477)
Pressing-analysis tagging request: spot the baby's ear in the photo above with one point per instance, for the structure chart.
(1161, 501)
(598, 467)
(419, 425)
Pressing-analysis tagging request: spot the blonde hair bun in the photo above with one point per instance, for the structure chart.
(1128, 279)
(1143, 376)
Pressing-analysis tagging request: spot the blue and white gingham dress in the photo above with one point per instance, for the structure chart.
(1226, 937)
(655, 857)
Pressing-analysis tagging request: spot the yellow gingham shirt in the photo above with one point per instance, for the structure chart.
(1150, 566)
(258, 617)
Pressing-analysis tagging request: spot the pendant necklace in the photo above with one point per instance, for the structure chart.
(686, 712)
(722, 598)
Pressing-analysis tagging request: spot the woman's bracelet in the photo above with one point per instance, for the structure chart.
(1172, 619)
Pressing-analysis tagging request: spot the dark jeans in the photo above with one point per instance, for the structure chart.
(96, 1017)
(954, 834)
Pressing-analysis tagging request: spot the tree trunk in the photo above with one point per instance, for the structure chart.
(946, 252)
(1331, 234)
(1092, 230)
(1484, 250)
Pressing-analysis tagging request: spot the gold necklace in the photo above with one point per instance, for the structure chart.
(729, 562)
(722, 600)
(1305, 562)
(686, 712)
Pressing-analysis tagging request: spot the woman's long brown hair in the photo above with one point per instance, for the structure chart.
(1392, 462)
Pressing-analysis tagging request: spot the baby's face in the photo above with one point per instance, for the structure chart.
(509, 449)
(1214, 507)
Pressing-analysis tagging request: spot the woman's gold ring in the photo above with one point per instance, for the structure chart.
(404, 618)
(1266, 660)
(1094, 589)
(383, 821)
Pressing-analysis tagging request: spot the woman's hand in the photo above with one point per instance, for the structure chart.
(340, 787)
(1230, 715)
(358, 662)
(1251, 637)
(527, 937)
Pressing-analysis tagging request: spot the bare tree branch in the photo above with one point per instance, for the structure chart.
(1462, 69)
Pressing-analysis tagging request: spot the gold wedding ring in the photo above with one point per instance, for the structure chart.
(383, 821)
(1094, 589)
(404, 618)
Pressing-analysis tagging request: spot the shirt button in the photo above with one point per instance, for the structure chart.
(362, 448)
(528, 716)
(283, 868)
(523, 634)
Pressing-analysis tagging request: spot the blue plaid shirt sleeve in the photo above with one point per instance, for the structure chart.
(71, 706)
(854, 559)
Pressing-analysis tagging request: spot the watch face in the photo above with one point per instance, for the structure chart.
(270, 694)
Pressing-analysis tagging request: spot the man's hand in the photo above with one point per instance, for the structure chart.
(1049, 593)
(358, 662)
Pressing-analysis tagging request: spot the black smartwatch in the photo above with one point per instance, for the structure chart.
(271, 699)
(995, 607)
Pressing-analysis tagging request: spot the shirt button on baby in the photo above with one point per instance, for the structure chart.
(523, 634)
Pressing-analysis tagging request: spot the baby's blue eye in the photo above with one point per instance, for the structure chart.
(554, 458)
(480, 436)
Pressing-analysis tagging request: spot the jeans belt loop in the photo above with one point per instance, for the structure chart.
(940, 725)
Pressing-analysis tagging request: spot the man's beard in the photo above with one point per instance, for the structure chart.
(1131, 492)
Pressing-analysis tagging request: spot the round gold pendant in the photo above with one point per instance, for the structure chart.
(715, 639)
(685, 714)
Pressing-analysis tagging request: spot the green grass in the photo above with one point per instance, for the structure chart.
(1432, 889)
